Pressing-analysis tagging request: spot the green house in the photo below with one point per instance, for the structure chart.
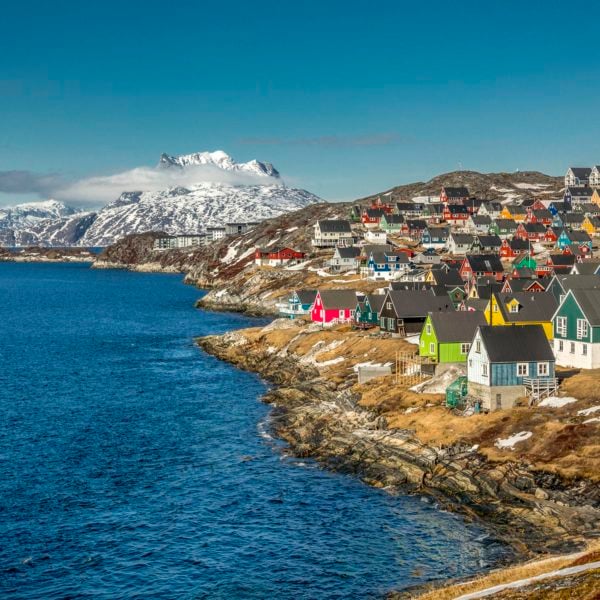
(391, 223)
(525, 261)
(367, 312)
(446, 337)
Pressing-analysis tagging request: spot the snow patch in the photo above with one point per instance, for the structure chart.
(593, 420)
(588, 411)
(511, 441)
(556, 401)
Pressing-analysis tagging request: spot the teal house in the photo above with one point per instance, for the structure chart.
(446, 338)
(367, 311)
(391, 223)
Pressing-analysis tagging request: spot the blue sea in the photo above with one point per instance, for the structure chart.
(133, 465)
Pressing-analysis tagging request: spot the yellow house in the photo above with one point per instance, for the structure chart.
(522, 308)
(596, 197)
(591, 225)
(514, 212)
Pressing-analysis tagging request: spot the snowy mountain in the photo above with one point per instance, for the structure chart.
(251, 191)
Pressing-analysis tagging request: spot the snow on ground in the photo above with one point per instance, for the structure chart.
(321, 348)
(492, 591)
(345, 280)
(370, 364)
(231, 253)
(298, 267)
(531, 186)
(439, 383)
(588, 411)
(510, 442)
(322, 273)
(594, 420)
(413, 339)
(291, 229)
(556, 401)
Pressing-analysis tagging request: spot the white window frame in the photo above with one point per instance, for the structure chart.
(522, 369)
(582, 329)
(543, 369)
(431, 348)
(584, 349)
(572, 348)
(428, 329)
(484, 369)
(561, 346)
(478, 346)
(561, 326)
(465, 347)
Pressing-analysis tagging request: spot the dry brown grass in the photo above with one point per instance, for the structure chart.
(561, 443)
(524, 571)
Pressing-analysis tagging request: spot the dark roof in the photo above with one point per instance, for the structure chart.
(578, 282)
(410, 285)
(589, 302)
(578, 236)
(376, 301)
(457, 208)
(416, 224)
(562, 260)
(438, 230)
(367, 249)
(560, 205)
(519, 244)
(456, 192)
(444, 276)
(588, 267)
(457, 327)
(533, 307)
(534, 227)
(335, 226)
(506, 343)
(521, 284)
(478, 304)
(507, 224)
(338, 298)
(374, 213)
(462, 238)
(542, 213)
(489, 241)
(418, 303)
(383, 257)
(394, 218)
(481, 219)
(581, 172)
(485, 263)
(306, 296)
(580, 190)
(573, 217)
(348, 252)
(409, 207)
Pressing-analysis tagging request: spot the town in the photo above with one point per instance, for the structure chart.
(506, 293)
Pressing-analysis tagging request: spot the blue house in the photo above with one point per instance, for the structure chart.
(580, 238)
(298, 303)
(509, 362)
(435, 237)
(387, 265)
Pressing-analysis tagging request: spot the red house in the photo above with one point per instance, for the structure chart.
(533, 232)
(512, 248)
(454, 195)
(334, 306)
(455, 214)
(275, 257)
(372, 216)
(481, 265)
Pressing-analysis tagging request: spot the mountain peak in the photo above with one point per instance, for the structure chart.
(220, 160)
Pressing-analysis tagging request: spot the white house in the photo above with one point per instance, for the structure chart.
(375, 237)
(595, 176)
(345, 259)
(460, 243)
(577, 176)
(329, 233)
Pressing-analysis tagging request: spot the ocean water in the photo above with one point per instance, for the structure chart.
(132, 465)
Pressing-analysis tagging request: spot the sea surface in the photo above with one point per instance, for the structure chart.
(133, 465)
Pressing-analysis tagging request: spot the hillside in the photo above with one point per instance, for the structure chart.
(493, 186)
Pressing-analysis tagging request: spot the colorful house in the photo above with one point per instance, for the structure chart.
(533, 232)
(455, 214)
(404, 311)
(435, 237)
(503, 228)
(345, 259)
(481, 265)
(298, 304)
(512, 248)
(367, 311)
(522, 308)
(487, 244)
(591, 225)
(391, 223)
(448, 340)
(505, 361)
(567, 237)
(514, 212)
(274, 257)
(454, 195)
(387, 265)
(334, 306)
(577, 329)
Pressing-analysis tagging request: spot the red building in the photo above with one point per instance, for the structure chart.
(455, 214)
(481, 265)
(274, 257)
(454, 195)
(334, 306)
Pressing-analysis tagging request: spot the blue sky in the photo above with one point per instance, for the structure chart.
(345, 98)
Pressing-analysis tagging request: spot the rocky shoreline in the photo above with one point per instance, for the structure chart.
(532, 511)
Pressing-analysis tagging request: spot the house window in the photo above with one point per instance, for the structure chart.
(522, 369)
(478, 346)
(484, 370)
(428, 329)
(584, 349)
(572, 348)
(514, 308)
(543, 369)
(388, 305)
(431, 348)
(464, 348)
(391, 324)
(561, 346)
(561, 326)
(341, 313)
(582, 329)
